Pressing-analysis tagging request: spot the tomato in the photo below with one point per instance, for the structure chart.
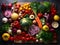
(40, 15)
(12, 38)
(26, 11)
(9, 5)
(27, 39)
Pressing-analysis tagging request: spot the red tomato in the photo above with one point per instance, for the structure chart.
(27, 11)
(27, 39)
(34, 39)
(12, 38)
(9, 5)
(23, 33)
(16, 38)
(17, 5)
(31, 38)
(23, 38)
(40, 15)
(16, 24)
(27, 35)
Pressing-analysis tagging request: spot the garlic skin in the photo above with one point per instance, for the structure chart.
(9, 31)
(4, 20)
(18, 31)
(37, 40)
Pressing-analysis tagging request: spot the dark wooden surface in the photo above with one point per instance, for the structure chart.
(57, 3)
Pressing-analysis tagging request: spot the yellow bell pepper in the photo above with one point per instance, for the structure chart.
(29, 8)
(5, 36)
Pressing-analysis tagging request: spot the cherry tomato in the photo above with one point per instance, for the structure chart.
(12, 38)
(40, 15)
(23, 33)
(23, 38)
(27, 11)
(31, 38)
(34, 39)
(27, 39)
(16, 23)
(17, 5)
(27, 35)
(9, 5)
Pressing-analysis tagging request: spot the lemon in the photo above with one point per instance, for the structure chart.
(56, 18)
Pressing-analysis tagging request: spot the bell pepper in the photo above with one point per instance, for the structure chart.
(6, 36)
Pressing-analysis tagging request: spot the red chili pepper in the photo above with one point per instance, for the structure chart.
(53, 12)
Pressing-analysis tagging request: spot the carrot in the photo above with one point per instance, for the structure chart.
(38, 22)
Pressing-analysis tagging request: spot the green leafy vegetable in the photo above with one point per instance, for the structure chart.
(34, 6)
(46, 36)
(4, 27)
